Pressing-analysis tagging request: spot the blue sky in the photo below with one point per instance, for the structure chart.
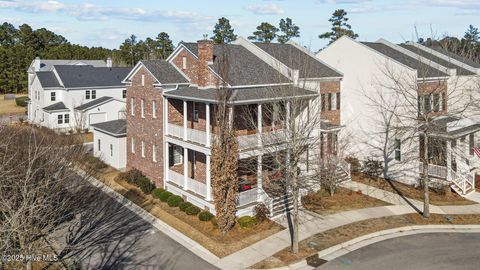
(108, 22)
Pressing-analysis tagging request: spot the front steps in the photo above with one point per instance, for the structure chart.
(469, 190)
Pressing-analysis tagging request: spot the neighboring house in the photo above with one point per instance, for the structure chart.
(171, 105)
(442, 84)
(73, 94)
(110, 142)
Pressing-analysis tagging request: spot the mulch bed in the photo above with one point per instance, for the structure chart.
(448, 198)
(343, 200)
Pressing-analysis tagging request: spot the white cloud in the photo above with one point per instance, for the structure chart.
(465, 6)
(268, 9)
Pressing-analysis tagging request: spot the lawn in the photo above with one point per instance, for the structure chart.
(343, 200)
(10, 107)
(448, 198)
(205, 233)
(324, 240)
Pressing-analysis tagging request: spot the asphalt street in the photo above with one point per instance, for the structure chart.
(430, 251)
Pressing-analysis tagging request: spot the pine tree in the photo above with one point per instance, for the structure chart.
(223, 33)
(340, 27)
(289, 30)
(265, 33)
(164, 46)
(472, 36)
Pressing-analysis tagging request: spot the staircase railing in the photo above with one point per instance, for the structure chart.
(346, 167)
(461, 181)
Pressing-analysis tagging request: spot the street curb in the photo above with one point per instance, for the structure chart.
(169, 231)
(341, 249)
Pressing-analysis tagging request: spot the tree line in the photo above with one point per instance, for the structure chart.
(19, 46)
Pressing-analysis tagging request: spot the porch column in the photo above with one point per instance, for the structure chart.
(185, 120)
(209, 180)
(449, 160)
(259, 124)
(165, 115)
(207, 124)
(185, 168)
(259, 179)
(288, 115)
(166, 165)
(230, 116)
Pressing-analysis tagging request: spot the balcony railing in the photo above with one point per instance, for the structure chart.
(248, 196)
(176, 178)
(192, 184)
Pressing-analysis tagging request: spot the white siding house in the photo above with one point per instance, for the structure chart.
(110, 141)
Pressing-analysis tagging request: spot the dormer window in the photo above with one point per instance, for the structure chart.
(53, 96)
(184, 62)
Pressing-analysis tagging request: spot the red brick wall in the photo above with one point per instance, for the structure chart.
(330, 87)
(146, 129)
(175, 111)
(192, 70)
(434, 87)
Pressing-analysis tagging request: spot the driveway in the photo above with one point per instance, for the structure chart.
(106, 235)
(427, 251)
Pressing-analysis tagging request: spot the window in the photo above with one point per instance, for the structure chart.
(196, 106)
(323, 102)
(420, 105)
(427, 103)
(329, 101)
(184, 62)
(94, 94)
(133, 146)
(444, 102)
(124, 93)
(142, 107)
(471, 143)
(111, 150)
(143, 79)
(436, 102)
(154, 153)
(338, 101)
(334, 101)
(60, 119)
(52, 96)
(143, 149)
(154, 109)
(398, 155)
(87, 94)
(66, 118)
(177, 155)
(132, 106)
(99, 145)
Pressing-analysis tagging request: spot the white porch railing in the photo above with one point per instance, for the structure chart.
(197, 187)
(464, 182)
(435, 170)
(176, 178)
(247, 197)
(175, 130)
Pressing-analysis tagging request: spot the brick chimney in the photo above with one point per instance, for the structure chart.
(205, 56)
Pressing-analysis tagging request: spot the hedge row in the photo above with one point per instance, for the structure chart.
(135, 177)
(177, 201)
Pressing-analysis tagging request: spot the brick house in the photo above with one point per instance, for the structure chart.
(441, 83)
(171, 106)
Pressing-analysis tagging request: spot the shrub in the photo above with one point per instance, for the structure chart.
(21, 101)
(205, 216)
(355, 165)
(192, 210)
(214, 222)
(156, 192)
(165, 195)
(261, 212)
(174, 201)
(184, 205)
(247, 221)
(373, 168)
(94, 163)
(131, 176)
(145, 185)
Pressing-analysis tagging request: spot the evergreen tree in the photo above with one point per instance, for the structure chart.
(265, 33)
(223, 33)
(472, 36)
(340, 27)
(164, 46)
(289, 30)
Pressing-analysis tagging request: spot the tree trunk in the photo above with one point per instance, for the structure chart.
(426, 195)
(295, 215)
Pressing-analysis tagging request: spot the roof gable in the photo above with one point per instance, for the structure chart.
(81, 76)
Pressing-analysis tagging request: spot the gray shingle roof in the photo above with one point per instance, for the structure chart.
(89, 76)
(423, 70)
(464, 60)
(115, 127)
(453, 126)
(46, 64)
(294, 58)
(93, 103)
(48, 79)
(164, 71)
(59, 106)
(244, 67)
(242, 95)
(438, 60)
